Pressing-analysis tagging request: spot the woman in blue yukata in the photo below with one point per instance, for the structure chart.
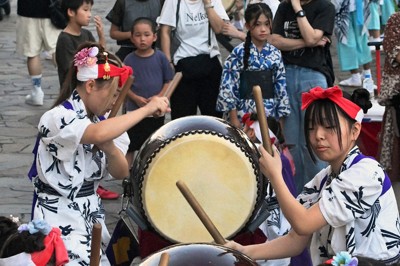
(69, 169)
(254, 62)
(348, 206)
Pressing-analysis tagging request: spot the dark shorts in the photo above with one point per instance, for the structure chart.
(139, 133)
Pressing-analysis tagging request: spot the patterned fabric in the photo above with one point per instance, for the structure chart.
(268, 58)
(65, 167)
(342, 17)
(360, 219)
(390, 87)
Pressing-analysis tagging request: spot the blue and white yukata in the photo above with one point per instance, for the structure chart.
(360, 208)
(268, 58)
(68, 176)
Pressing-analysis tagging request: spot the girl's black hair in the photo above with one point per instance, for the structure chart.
(325, 113)
(71, 82)
(252, 13)
(74, 5)
(12, 242)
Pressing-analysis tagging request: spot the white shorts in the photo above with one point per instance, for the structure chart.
(35, 35)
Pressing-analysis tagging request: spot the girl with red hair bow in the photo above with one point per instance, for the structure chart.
(68, 168)
(348, 206)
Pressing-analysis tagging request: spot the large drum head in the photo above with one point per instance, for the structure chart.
(200, 254)
(220, 168)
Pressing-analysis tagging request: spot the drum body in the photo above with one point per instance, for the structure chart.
(218, 163)
(200, 254)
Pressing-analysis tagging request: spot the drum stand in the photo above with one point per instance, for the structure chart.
(128, 214)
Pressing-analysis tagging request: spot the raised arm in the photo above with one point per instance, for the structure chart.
(310, 35)
(111, 128)
(100, 30)
(215, 20)
(274, 249)
(285, 44)
(303, 221)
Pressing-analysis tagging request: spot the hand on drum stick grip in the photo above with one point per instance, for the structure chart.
(95, 246)
(118, 103)
(218, 238)
(173, 84)
(164, 259)
(121, 97)
(262, 119)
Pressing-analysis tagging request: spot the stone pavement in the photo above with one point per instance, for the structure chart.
(18, 120)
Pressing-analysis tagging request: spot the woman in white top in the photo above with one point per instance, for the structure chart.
(195, 23)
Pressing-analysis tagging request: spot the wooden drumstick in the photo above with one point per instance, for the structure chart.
(262, 119)
(95, 246)
(173, 84)
(118, 103)
(164, 259)
(121, 97)
(218, 238)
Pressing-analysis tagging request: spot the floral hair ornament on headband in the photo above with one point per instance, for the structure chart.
(343, 258)
(36, 226)
(87, 68)
(334, 94)
(86, 57)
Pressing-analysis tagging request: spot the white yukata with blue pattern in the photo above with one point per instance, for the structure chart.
(64, 164)
(360, 219)
(268, 58)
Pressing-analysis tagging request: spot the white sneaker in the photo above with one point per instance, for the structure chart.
(369, 85)
(353, 81)
(35, 98)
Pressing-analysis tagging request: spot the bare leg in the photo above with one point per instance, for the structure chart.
(34, 66)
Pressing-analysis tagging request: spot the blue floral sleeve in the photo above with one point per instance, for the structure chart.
(228, 98)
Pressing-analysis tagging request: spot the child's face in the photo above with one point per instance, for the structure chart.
(143, 37)
(83, 14)
(102, 99)
(325, 143)
(259, 29)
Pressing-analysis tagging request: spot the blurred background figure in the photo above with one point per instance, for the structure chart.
(35, 33)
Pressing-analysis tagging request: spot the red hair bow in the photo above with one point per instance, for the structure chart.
(113, 71)
(334, 94)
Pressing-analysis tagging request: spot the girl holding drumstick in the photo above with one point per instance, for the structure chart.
(68, 168)
(348, 206)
